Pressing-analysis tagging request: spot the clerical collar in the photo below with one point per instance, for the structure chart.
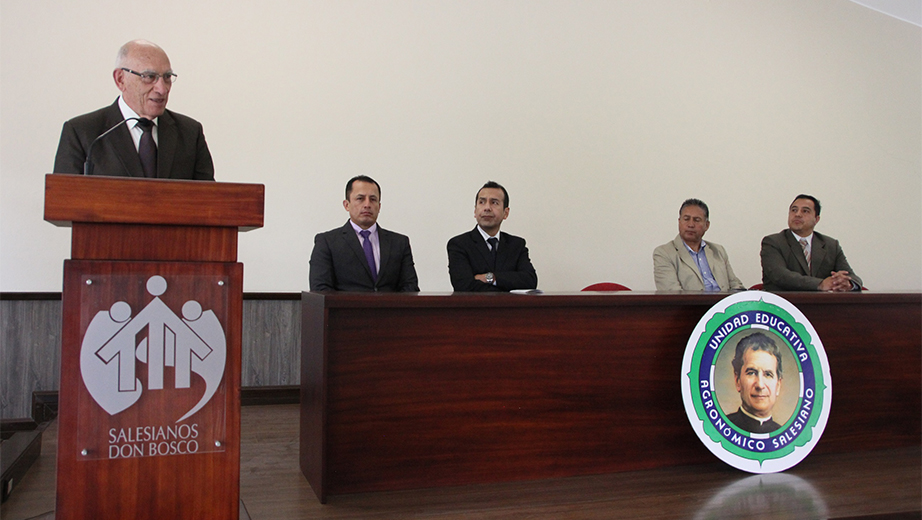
(761, 421)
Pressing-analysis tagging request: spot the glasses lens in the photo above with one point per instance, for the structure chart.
(152, 77)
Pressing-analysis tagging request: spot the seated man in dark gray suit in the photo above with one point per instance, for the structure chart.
(361, 256)
(484, 259)
(798, 259)
(155, 143)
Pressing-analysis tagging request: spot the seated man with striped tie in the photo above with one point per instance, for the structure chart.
(485, 259)
(361, 256)
(136, 136)
(799, 259)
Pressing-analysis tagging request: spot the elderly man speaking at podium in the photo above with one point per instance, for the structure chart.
(136, 136)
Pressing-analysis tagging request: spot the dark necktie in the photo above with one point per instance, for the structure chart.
(369, 253)
(494, 242)
(147, 149)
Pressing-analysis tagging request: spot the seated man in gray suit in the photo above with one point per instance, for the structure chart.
(361, 256)
(798, 259)
(485, 259)
(155, 143)
(688, 263)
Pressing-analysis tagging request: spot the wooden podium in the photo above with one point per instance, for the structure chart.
(149, 404)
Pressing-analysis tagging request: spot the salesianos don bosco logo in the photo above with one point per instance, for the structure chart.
(756, 382)
(109, 355)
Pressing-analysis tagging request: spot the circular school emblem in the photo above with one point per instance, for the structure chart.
(756, 383)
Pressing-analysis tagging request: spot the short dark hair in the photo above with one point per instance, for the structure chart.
(816, 202)
(361, 178)
(756, 341)
(492, 184)
(696, 202)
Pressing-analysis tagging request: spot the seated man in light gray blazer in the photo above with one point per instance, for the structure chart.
(688, 263)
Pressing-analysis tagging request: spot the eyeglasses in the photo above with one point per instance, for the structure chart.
(152, 77)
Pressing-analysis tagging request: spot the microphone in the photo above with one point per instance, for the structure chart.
(88, 165)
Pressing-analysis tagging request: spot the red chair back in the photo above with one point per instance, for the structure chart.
(606, 287)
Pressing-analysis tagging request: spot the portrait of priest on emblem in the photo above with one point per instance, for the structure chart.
(751, 388)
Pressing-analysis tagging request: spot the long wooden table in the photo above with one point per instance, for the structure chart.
(410, 391)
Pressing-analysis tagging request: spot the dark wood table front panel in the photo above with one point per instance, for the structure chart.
(409, 391)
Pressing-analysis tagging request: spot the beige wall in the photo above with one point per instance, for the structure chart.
(600, 117)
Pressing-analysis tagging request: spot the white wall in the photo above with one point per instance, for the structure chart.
(600, 117)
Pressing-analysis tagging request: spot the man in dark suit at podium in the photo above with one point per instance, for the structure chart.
(485, 259)
(155, 143)
(361, 256)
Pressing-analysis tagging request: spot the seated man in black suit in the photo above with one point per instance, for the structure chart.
(156, 143)
(799, 259)
(484, 259)
(361, 256)
(757, 371)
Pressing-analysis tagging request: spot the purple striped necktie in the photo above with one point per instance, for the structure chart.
(369, 253)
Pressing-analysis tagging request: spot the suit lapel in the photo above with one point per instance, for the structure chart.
(483, 248)
(817, 255)
(686, 258)
(716, 266)
(502, 253)
(355, 244)
(166, 145)
(120, 144)
(384, 241)
(798, 252)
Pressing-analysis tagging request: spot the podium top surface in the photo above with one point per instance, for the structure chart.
(126, 200)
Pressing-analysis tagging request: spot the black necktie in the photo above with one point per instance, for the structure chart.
(494, 242)
(147, 149)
